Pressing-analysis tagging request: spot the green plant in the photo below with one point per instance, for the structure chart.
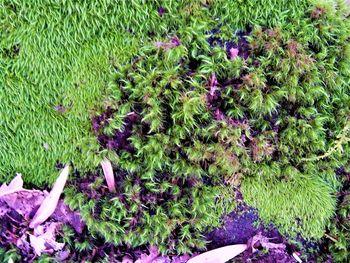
(176, 114)
(337, 239)
(55, 63)
(267, 118)
(169, 212)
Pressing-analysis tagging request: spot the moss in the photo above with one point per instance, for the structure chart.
(171, 214)
(60, 55)
(303, 205)
(179, 107)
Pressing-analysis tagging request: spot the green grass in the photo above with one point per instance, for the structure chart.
(72, 53)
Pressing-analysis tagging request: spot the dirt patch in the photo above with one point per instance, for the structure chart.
(241, 226)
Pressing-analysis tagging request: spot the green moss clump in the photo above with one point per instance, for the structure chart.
(59, 55)
(277, 118)
(301, 205)
(271, 118)
(170, 212)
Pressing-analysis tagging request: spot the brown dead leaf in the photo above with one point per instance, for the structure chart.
(234, 180)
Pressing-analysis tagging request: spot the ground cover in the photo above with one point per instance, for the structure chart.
(189, 100)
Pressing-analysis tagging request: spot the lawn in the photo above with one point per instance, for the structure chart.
(155, 87)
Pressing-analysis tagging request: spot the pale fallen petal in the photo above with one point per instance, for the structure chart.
(213, 84)
(109, 175)
(219, 255)
(15, 185)
(49, 204)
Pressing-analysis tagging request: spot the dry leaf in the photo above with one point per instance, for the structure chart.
(153, 254)
(38, 244)
(43, 240)
(24, 201)
(264, 241)
(234, 180)
(15, 185)
(49, 204)
(108, 173)
(219, 255)
(174, 42)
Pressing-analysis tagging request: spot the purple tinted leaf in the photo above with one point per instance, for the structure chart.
(65, 215)
(109, 175)
(49, 204)
(174, 42)
(153, 254)
(219, 255)
(180, 259)
(44, 239)
(15, 185)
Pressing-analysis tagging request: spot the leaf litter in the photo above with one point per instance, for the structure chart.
(24, 214)
(32, 221)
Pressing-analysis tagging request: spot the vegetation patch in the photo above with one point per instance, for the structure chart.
(205, 97)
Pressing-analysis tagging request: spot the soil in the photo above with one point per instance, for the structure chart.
(240, 226)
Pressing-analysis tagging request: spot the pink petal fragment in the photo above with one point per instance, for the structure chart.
(49, 204)
(219, 255)
(297, 258)
(109, 175)
(15, 185)
(233, 52)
